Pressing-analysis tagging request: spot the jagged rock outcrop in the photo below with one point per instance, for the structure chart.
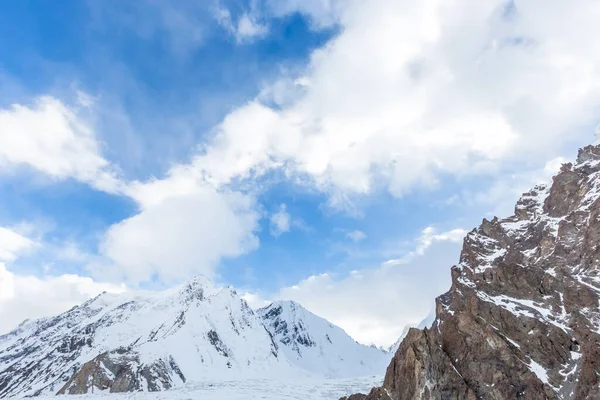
(521, 319)
(121, 371)
(378, 393)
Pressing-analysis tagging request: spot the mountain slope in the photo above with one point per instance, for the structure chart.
(521, 319)
(140, 341)
(314, 344)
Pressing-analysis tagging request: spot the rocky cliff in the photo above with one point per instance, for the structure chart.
(521, 319)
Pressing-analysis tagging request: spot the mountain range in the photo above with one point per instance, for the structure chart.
(152, 341)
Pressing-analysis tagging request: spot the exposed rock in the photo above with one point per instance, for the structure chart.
(374, 394)
(122, 371)
(378, 394)
(355, 396)
(315, 344)
(295, 335)
(521, 319)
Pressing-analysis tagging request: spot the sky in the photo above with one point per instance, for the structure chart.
(332, 152)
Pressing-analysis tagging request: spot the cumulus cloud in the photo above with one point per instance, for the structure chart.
(409, 92)
(52, 138)
(12, 243)
(405, 94)
(280, 221)
(374, 305)
(29, 297)
(185, 233)
(184, 226)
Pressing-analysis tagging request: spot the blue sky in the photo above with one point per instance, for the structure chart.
(304, 150)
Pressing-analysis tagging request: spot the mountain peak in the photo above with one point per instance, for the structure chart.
(589, 154)
(287, 305)
(197, 288)
(199, 282)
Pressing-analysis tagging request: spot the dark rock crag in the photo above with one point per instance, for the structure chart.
(121, 371)
(521, 319)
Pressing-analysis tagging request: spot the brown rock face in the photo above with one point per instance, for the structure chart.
(521, 319)
(355, 396)
(375, 394)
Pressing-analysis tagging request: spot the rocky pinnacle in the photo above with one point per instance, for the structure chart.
(521, 319)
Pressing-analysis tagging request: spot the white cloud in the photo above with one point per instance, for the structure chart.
(12, 243)
(52, 138)
(429, 236)
(426, 240)
(550, 169)
(501, 195)
(249, 28)
(410, 92)
(33, 241)
(245, 29)
(24, 296)
(70, 251)
(374, 305)
(280, 221)
(183, 233)
(255, 301)
(356, 236)
(184, 226)
(404, 94)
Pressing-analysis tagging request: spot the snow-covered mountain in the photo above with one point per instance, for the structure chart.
(314, 344)
(153, 341)
(133, 341)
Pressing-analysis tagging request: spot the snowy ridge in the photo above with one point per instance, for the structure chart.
(314, 344)
(190, 333)
(153, 341)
